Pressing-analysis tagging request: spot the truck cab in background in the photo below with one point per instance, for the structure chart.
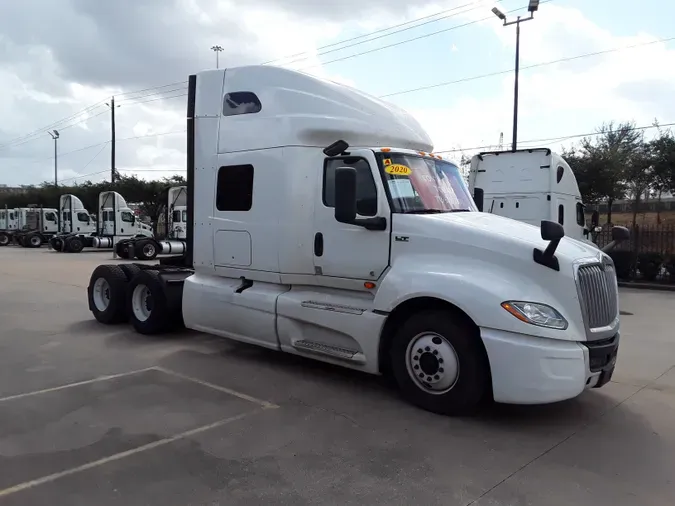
(74, 221)
(174, 221)
(29, 227)
(322, 225)
(531, 185)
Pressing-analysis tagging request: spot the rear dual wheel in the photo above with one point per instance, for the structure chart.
(4, 239)
(148, 306)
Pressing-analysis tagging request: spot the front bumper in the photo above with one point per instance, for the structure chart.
(534, 370)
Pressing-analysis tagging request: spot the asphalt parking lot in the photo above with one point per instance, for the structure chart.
(97, 415)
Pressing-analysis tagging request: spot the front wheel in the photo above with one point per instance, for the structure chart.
(146, 249)
(32, 241)
(439, 363)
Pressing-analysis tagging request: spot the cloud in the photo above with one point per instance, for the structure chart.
(565, 98)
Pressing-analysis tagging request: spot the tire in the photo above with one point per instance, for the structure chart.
(74, 245)
(56, 243)
(122, 250)
(130, 270)
(32, 241)
(4, 239)
(107, 294)
(147, 305)
(146, 249)
(448, 355)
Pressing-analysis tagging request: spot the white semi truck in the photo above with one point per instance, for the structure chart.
(29, 227)
(321, 225)
(531, 185)
(116, 222)
(175, 223)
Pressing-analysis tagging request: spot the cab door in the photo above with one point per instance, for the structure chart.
(351, 251)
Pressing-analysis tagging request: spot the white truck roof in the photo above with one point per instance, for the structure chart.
(297, 109)
(522, 172)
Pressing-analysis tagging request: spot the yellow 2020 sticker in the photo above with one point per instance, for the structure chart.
(398, 170)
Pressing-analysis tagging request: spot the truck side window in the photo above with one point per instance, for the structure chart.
(127, 216)
(241, 102)
(176, 217)
(50, 217)
(235, 188)
(83, 217)
(561, 214)
(366, 191)
(581, 217)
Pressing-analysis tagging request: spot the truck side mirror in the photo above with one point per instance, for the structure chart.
(552, 231)
(595, 219)
(345, 195)
(478, 198)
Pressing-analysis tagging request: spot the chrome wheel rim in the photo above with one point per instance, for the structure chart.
(141, 302)
(149, 250)
(101, 294)
(432, 363)
(35, 241)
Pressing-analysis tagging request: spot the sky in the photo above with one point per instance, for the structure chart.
(62, 60)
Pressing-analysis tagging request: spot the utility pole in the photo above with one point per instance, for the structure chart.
(112, 138)
(55, 136)
(217, 50)
(532, 8)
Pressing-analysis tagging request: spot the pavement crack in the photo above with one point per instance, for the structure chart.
(327, 410)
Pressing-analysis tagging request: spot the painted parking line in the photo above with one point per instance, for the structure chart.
(119, 456)
(264, 404)
(76, 384)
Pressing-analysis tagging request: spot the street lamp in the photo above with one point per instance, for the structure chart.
(55, 136)
(532, 7)
(217, 49)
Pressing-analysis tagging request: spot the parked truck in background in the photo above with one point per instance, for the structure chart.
(531, 185)
(74, 221)
(320, 224)
(175, 225)
(116, 221)
(29, 227)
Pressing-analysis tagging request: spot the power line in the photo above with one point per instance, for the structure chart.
(535, 65)
(388, 34)
(371, 33)
(552, 139)
(406, 41)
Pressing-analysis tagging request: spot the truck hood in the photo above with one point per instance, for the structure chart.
(490, 231)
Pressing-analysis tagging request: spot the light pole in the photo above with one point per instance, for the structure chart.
(55, 136)
(217, 50)
(532, 8)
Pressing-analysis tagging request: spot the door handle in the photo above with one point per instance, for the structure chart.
(318, 244)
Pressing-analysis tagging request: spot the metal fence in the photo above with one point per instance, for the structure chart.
(649, 255)
(644, 239)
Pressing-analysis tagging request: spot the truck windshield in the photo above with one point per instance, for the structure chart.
(420, 185)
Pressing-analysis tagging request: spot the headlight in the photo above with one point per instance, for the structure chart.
(536, 314)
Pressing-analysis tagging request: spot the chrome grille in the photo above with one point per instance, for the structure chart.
(599, 295)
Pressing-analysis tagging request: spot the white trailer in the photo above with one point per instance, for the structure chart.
(531, 185)
(321, 225)
(173, 243)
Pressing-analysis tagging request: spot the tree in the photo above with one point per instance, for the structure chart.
(663, 159)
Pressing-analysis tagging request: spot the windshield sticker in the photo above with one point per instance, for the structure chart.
(387, 162)
(398, 170)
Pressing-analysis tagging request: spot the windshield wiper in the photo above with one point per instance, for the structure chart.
(435, 211)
